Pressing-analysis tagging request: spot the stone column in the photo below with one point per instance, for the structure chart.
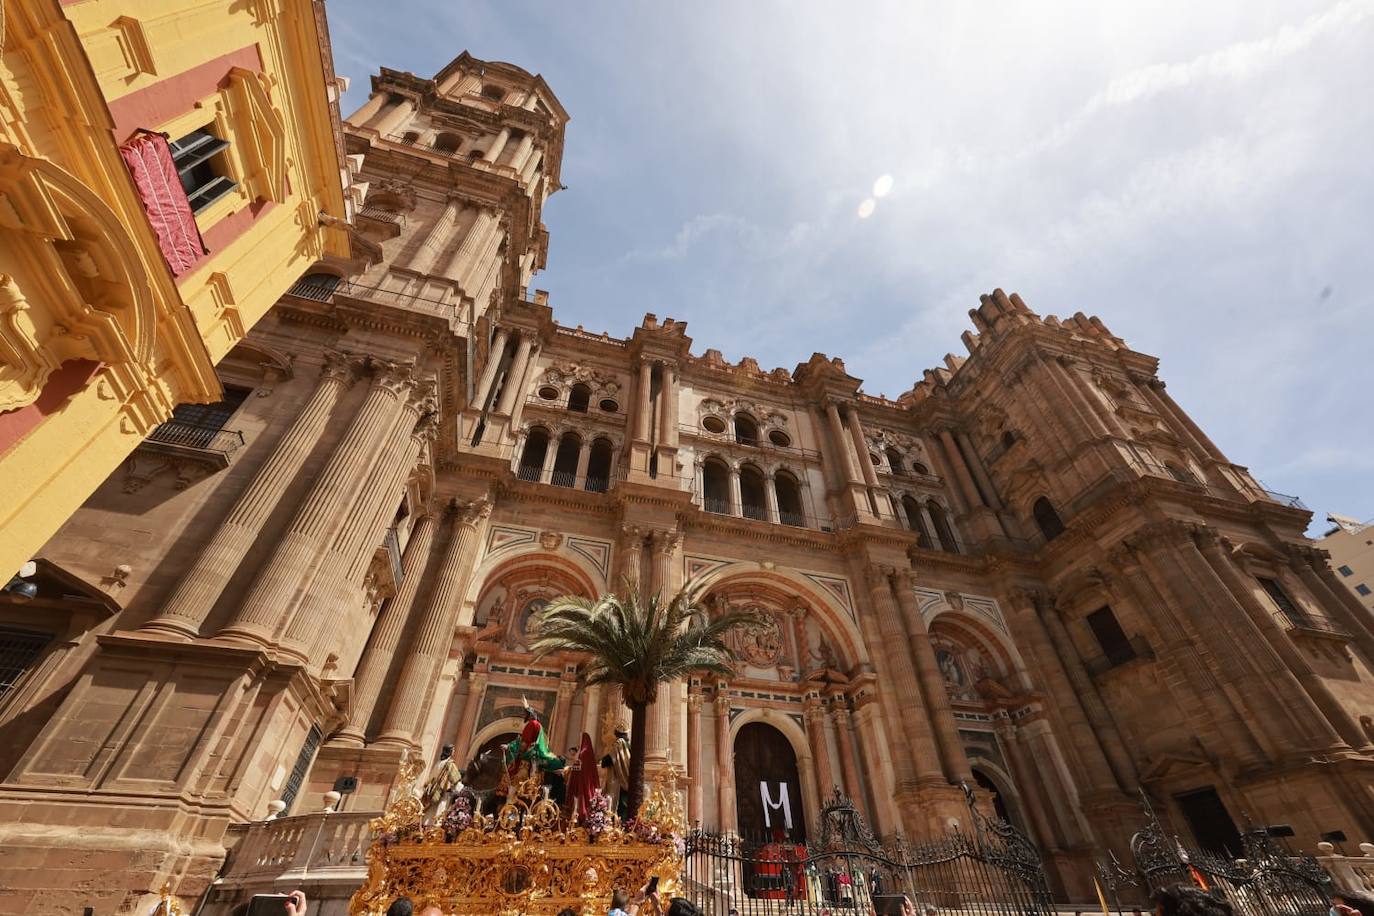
(695, 793)
(550, 458)
(522, 151)
(431, 644)
(474, 241)
(436, 239)
(1031, 635)
(952, 753)
(197, 592)
(584, 457)
(473, 274)
(386, 634)
(665, 544)
(1165, 398)
(1311, 566)
(497, 145)
(395, 118)
(561, 708)
(856, 432)
(922, 764)
(631, 552)
(516, 376)
(941, 465)
(956, 462)
(1331, 720)
(526, 384)
(642, 401)
(844, 739)
(770, 498)
(979, 472)
(368, 110)
(498, 350)
(344, 563)
(323, 511)
(477, 688)
(736, 500)
(820, 748)
(837, 436)
(885, 798)
(667, 415)
(527, 173)
(725, 763)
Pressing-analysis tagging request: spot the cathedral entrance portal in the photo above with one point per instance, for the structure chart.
(768, 790)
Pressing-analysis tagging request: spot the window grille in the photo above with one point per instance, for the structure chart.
(19, 652)
(303, 761)
(1276, 594)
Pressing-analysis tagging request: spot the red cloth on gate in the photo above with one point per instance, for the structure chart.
(169, 212)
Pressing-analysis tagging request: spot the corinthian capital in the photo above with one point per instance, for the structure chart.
(338, 367)
(474, 512)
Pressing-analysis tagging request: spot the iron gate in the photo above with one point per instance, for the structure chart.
(990, 870)
(1268, 880)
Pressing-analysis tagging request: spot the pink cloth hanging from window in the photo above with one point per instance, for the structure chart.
(169, 212)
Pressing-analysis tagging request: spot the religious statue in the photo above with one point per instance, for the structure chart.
(529, 754)
(442, 787)
(582, 779)
(616, 763)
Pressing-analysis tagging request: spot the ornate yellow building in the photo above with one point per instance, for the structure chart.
(167, 170)
(1032, 573)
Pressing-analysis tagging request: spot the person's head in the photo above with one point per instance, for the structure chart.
(619, 900)
(1186, 900)
(567, 911)
(401, 906)
(681, 906)
(930, 909)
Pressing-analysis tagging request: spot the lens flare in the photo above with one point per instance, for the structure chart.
(867, 207)
(882, 186)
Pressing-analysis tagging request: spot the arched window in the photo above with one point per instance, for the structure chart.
(746, 430)
(943, 532)
(920, 469)
(914, 522)
(448, 143)
(1008, 439)
(751, 498)
(1050, 524)
(474, 154)
(789, 500)
(317, 286)
(599, 466)
(532, 458)
(410, 137)
(579, 397)
(715, 486)
(894, 461)
(565, 462)
(493, 92)
(1181, 474)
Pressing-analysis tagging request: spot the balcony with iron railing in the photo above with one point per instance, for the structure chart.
(305, 288)
(1302, 623)
(204, 444)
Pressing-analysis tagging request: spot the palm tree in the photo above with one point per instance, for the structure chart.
(637, 645)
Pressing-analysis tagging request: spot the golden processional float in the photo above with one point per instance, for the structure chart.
(527, 857)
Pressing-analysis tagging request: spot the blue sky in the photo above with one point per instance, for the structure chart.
(1199, 175)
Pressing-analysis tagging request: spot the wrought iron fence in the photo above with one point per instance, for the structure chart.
(1266, 880)
(846, 871)
(197, 435)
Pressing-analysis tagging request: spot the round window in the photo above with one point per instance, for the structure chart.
(609, 406)
(548, 393)
(920, 468)
(713, 425)
(779, 438)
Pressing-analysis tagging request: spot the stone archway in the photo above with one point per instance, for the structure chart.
(769, 793)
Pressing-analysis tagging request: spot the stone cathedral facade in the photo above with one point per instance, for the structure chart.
(1032, 573)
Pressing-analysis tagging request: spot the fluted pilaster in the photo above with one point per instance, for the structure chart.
(197, 592)
(288, 574)
(435, 631)
(952, 754)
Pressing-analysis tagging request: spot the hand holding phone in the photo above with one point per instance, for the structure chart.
(652, 887)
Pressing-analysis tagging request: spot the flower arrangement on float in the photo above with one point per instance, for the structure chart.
(526, 856)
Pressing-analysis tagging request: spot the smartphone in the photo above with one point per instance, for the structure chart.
(267, 905)
(652, 886)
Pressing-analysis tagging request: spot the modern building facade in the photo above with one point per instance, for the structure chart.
(167, 170)
(1032, 574)
(1351, 546)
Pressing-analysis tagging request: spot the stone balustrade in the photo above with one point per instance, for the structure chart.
(322, 854)
(1351, 873)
